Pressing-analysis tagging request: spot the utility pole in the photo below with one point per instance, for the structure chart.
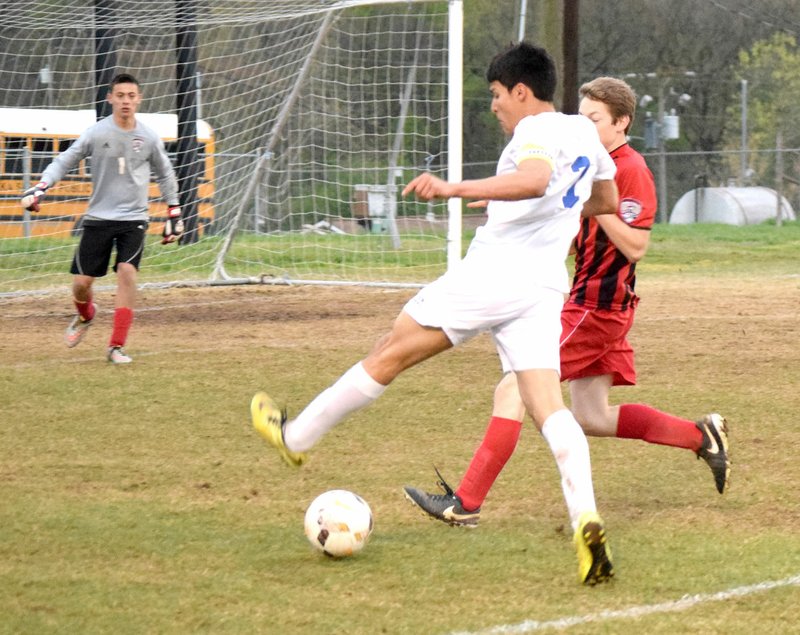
(664, 127)
(662, 156)
(547, 33)
(187, 162)
(105, 55)
(779, 179)
(570, 42)
(744, 134)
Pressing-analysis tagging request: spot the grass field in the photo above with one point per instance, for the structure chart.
(139, 500)
(37, 264)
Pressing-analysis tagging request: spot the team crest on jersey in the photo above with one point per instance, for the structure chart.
(138, 144)
(629, 209)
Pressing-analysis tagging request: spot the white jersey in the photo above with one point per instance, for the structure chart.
(512, 280)
(536, 233)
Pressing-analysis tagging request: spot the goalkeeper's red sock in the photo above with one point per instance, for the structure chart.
(497, 446)
(123, 318)
(85, 309)
(638, 421)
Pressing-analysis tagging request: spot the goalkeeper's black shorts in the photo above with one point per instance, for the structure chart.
(100, 237)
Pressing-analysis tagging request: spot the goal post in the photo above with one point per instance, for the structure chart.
(317, 113)
(455, 69)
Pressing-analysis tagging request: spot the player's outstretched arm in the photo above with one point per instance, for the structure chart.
(173, 227)
(528, 181)
(426, 187)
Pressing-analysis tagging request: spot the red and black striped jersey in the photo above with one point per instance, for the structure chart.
(604, 277)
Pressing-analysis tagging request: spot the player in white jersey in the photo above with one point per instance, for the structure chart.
(510, 283)
(123, 152)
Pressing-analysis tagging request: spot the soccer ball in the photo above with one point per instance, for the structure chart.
(338, 523)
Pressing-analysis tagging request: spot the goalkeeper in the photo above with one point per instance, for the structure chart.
(123, 152)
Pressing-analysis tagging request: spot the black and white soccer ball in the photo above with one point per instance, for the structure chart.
(338, 523)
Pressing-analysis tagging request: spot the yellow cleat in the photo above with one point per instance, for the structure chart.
(594, 553)
(268, 419)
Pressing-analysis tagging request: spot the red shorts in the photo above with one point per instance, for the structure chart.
(594, 342)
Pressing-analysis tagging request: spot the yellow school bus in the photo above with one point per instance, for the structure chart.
(31, 137)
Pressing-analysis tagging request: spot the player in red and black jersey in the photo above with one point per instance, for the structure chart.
(595, 320)
(605, 275)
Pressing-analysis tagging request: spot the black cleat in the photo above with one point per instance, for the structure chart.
(714, 450)
(446, 507)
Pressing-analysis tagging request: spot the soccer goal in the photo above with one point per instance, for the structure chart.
(311, 116)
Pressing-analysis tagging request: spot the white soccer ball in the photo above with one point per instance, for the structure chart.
(338, 523)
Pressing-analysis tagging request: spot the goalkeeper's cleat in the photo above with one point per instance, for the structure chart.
(77, 329)
(714, 449)
(446, 507)
(594, 553)
(117, 356)
(269, 420)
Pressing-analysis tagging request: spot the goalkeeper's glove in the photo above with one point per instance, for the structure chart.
(173, 227)
(32, 196)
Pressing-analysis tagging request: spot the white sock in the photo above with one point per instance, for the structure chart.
(352, 391)
(571, 451)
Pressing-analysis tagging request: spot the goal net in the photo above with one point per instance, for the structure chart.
(310, 117)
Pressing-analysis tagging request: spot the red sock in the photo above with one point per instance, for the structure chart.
(123, 317)
(637, 421)
(85, 309)
(496, 448)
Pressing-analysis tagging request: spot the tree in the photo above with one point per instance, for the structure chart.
(489, 27)
(772, 70)
(653, 44)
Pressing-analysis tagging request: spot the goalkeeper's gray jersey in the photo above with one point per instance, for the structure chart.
(120, 162)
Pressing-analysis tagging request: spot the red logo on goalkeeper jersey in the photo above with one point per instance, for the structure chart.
(629, 210)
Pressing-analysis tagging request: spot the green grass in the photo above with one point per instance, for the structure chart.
(724, 249)
(43, 263)
(139, 500)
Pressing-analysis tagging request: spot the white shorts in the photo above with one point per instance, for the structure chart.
(525, 322)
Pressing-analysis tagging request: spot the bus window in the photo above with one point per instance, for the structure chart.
(15, 151)
(42, 155)
(201, 156)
